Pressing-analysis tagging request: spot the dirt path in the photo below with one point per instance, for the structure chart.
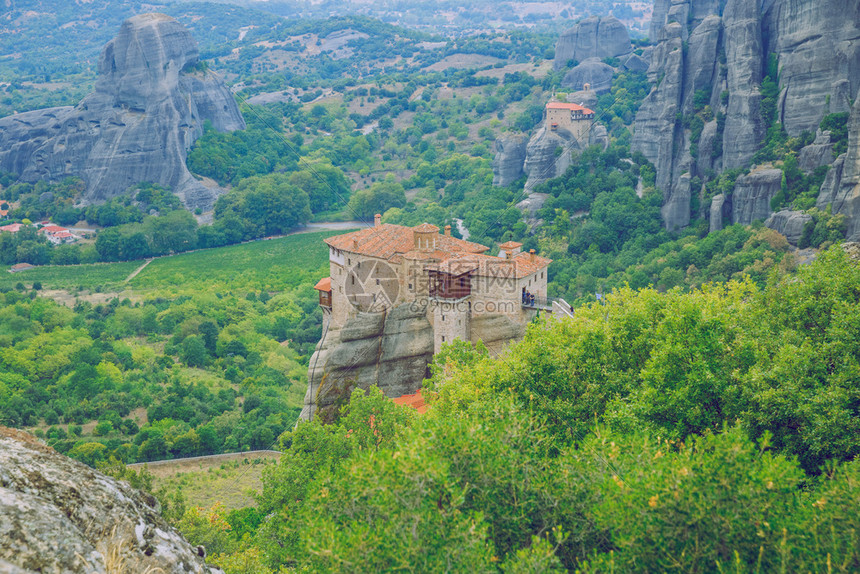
(138, 270)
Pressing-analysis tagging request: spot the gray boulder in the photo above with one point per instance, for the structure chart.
(585, 98)
(789, 223)
(510, 155)
(592, 72)
(818, 153)
(634, 63)
(593, 37)
(149, 105)
(58, 515)
(752, 195)
(547, 156)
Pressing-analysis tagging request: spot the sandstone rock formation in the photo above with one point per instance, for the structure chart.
(593, 37)
(149, 105)
(390, 350)
(752, 195)
(591, 72)
(548, 156)
(58, 515)
(510, 155)
(719, 49)
(841, 188)
(817, 154)
(789, 223)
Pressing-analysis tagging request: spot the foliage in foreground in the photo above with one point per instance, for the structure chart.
(711, 431)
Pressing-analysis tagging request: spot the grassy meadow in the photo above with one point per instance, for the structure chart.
(267, 265)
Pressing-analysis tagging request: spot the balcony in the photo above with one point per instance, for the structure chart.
(539, 303)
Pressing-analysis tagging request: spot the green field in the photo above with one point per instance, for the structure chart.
(233, 483)
(106, 276)
(272, 265)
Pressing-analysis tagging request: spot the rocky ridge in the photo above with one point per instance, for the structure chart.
(713, 53)
(150, 102)
(58, 515)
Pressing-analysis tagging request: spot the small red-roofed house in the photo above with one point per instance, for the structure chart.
(416, 401)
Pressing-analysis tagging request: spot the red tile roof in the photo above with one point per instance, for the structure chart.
(13, 228)
(510, 245)
(571, 107)
(324, 284)
(416, 401)
(387, 240)
(52, 229)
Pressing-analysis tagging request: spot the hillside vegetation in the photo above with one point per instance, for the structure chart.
(199, 354)
(708, 431)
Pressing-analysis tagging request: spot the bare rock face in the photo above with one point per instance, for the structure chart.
(548, 156)
(58, 515)
(789, 223)
(510, 155)
(591, 72)
(713, 52)
(817, 154)
(752, 195)
(390, 350)
(818, 46)
(717, 213)
(841, 188)
(593, 37)
(149, 105)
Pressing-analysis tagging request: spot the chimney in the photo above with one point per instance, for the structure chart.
(377, 220)
(448, 230)
(531, 255)
(355, 244)
(586, 87)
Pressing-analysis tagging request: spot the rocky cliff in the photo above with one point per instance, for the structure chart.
(58, 515)
(508, 159)
(713, 53)
(390, 350)
(151, 99)
(841, 188)
(593, 37)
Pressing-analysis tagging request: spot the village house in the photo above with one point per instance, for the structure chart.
(57, 235)
(380, 267)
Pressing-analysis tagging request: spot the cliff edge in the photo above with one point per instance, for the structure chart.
(58, 515)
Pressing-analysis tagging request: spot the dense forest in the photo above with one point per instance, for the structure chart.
(712, 430)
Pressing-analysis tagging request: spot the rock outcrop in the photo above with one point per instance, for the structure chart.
(817, 154)
(58, 515)
(593, 73)
(841, 188)
(752, 195)
(149, 105)
(789, 223)
(390, 350)
(510, 155)
(548, 156)
(593, 37)
(714, 53)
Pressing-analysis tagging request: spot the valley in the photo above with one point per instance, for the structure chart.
(175, 314)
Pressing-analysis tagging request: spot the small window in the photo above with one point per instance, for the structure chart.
(352, 278)
(443, 338)
(349, 261)
(410, 286)
(541, 274)
(443, 317)
(377, 281)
